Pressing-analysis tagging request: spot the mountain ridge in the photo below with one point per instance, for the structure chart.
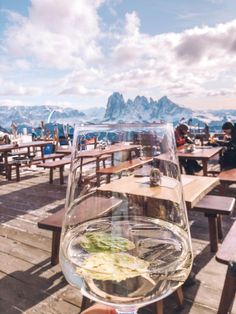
(140, 109)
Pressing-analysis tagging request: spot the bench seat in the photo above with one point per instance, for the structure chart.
(123, 166)
(227, 255)
(93, 207)
(214, 206)
(27, 161)
(51, 165)
(52, 156)
(227, 177)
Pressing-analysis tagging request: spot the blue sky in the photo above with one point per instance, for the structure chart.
(77, 52)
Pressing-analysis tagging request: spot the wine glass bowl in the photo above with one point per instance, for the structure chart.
(125, 239)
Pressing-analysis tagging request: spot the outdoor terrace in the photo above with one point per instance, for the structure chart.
(29, 284)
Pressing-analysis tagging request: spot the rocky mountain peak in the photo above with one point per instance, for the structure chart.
(115, 107)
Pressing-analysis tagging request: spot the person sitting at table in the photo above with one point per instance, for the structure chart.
(228, 158)
(4, 139)
(181, 137)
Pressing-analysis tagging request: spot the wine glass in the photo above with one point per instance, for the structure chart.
(125, 239)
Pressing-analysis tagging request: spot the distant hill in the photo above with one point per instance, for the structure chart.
(32, 115)
(117, 109)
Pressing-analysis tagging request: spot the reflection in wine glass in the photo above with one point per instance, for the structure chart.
(125, 241)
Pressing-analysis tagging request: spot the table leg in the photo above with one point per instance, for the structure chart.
(51, 176)
(204, 164)
(18, 172)
(6, 165)
(61, 169)
(112, 159)
(42, 151)
(56, 237)
(97, 168)
(213, 231)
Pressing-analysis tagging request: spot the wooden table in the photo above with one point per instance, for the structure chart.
(5, 149)
(194, 188)
(99, 153)
(123, 166)
(204, 154)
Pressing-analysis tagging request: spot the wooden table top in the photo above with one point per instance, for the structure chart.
(9, 147)
(109, 150)
(67, 150)
(126, 165)
(34, 144)
(199, 153)
(228, 175)
(197, 188)
(194, 188)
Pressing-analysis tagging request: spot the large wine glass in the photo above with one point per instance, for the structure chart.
(125, 237)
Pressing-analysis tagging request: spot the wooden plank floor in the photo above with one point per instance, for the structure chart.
(28, 283)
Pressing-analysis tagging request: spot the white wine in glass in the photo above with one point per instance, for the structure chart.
(125, 237)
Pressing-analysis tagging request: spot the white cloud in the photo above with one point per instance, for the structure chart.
(221, 92)
(13, 66)
(74, 83)
(178, 64)
(56, 34)
(82, 91)
(132, 24)
(12, 102)
(13, 89)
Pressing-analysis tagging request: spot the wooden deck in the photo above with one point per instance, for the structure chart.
(28, 283)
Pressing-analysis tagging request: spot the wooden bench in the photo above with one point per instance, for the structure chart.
(92, 207)
(66, 161)
(52, 156)
(227, 177)
(52, 165)
(123, 166)
(227, 255)
(27, 161)
(214, 206)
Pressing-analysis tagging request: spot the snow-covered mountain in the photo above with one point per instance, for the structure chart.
(32, 115)
(140, 109)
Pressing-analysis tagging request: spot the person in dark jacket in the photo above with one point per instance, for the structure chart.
(4, 139)
(230, 131)
(228, 158)
(181, 137)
